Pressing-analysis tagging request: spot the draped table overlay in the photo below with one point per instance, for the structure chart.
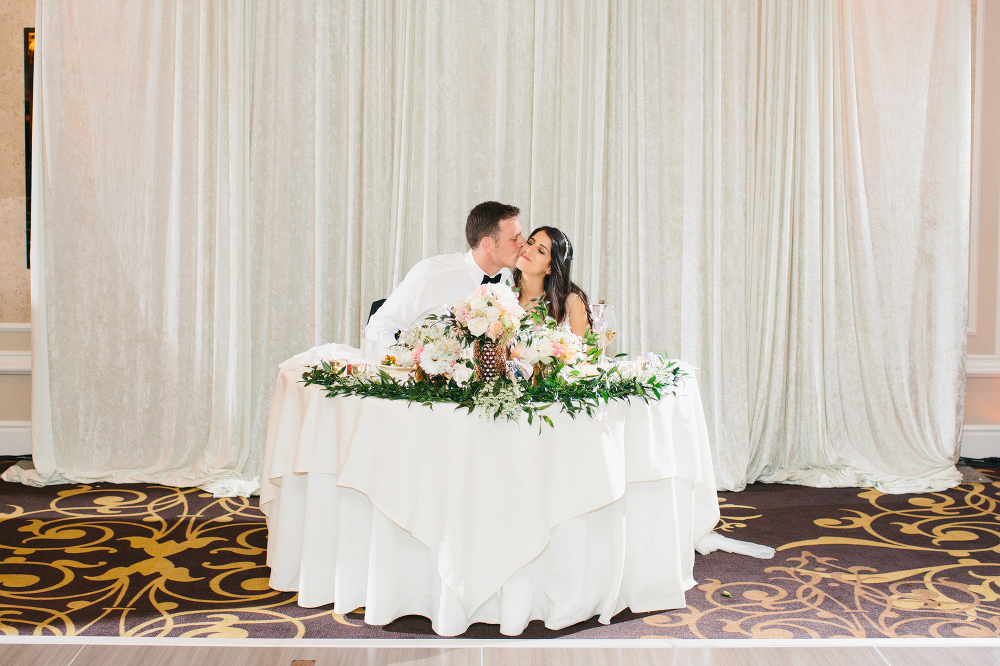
(405, 509)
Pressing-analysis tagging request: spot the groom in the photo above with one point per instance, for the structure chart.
(435, 284)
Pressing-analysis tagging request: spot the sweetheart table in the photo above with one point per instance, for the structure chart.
(405, 509)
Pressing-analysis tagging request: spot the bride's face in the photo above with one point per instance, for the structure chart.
(535, 258)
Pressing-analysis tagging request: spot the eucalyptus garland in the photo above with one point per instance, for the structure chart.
(573, 391)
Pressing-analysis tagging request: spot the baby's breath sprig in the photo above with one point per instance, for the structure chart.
(497, 399)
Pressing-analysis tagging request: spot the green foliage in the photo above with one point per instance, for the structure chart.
(582, 395)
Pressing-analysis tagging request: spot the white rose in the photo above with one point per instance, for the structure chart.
(492, 313)
(478, 304)
(530, 354)
(463, 373)
(508, 300)
(477, 325)
(403, 356)
(545, 348)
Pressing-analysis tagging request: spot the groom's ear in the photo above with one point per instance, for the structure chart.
(487, 244)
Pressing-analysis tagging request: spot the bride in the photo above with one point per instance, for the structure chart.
(542, 274)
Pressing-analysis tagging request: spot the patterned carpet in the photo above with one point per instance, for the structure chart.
(153, 561)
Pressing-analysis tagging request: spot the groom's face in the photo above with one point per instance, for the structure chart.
(511, 242)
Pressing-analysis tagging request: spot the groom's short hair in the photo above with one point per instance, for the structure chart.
(484, 220)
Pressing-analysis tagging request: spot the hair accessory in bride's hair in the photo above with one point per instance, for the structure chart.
(566, 250)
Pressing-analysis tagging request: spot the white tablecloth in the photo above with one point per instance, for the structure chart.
(404, 509)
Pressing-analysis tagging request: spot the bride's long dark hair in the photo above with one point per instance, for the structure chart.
(557, 285)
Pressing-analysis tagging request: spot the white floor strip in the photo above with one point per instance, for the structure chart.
(554, 643)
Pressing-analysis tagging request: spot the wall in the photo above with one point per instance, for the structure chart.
(15, 290)
(15, 301)
(982, 397)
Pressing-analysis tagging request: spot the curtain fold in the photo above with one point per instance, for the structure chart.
(138, 302)
(776, 192)
(858, 243)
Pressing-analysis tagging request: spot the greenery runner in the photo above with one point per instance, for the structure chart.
(440, 360)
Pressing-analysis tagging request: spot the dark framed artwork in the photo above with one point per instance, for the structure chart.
(29, 77)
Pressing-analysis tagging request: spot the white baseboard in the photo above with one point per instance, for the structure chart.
(981, 441)
(982, 365)
(15, 363)
(15, 438)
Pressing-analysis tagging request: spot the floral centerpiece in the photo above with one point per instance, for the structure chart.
(488, 319)
(548, 349)
(570, 390)
(432, 348)
(491, 311)
(461, 358)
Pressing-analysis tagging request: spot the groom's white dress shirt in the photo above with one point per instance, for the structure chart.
(431, 287)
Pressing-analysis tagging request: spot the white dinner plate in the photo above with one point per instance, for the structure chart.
(396, 371)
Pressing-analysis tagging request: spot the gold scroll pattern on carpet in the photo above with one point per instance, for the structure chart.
(734, 516)
(952, 588)
(152, 561)
(101, 557)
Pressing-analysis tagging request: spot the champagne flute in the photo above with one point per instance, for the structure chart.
(610, 326)
(605, 324)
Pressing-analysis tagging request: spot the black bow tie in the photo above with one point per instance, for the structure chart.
(491, 280)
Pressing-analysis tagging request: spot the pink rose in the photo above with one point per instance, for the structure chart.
(416, 354)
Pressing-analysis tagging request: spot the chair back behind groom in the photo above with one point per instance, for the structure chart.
(375, 306)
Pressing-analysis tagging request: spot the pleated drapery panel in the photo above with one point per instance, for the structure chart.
(139, 299)
(376, 127)
(690, 153)
(776, 192)
(858, 243)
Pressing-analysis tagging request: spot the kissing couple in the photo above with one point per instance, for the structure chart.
(538, 268)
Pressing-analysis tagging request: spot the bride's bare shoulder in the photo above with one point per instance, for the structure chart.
(576, 314)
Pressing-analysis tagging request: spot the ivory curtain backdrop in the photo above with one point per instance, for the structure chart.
(776, 192)
(141, 353)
